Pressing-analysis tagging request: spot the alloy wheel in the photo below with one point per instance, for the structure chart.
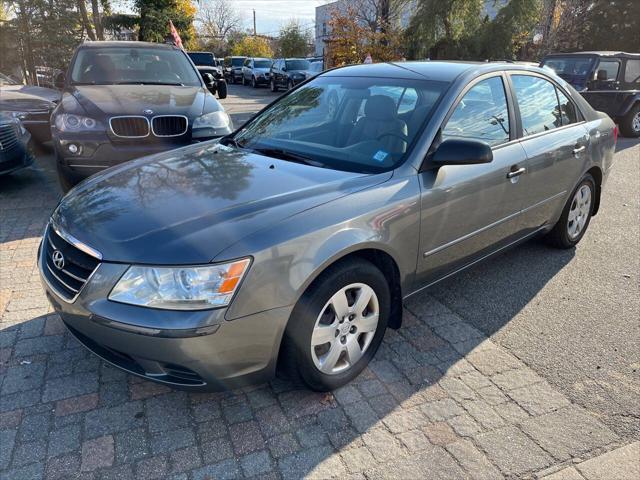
(579, 212)
(635, 123)
(345, 328)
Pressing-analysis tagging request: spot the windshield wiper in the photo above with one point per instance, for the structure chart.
(175, 84)
(289, 156)
(229, 140)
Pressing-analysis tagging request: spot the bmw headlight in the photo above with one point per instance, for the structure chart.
(180, 288)
(68, 122)
(212, 124)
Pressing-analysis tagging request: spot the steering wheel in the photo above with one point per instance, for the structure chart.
(402, 137)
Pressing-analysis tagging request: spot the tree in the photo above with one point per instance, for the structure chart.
(613, 25)
(293, 40)
(250, 46)
(156, 14)
(438, 26)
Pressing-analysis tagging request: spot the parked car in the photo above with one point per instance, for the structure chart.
(207, 64)
(15, 153)
(609, 81)
(233, 68)
(124, 100)
(292, 242)
(255, 71)
(32, 104)
(289, 72)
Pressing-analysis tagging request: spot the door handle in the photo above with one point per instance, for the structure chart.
(578, 150)
(516, 173)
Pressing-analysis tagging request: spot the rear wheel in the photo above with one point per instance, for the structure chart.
(337, 326)
(575, 218)
(630, 125)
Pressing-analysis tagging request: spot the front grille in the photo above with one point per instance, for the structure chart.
(78, 266)
(8, 137)
(129, 127)
(169, 125)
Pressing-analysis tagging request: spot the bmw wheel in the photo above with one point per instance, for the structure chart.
(290, 84)
(253, 82)
(576, 215)
(337, 325)
(273, 86)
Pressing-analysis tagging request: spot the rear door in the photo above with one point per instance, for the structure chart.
(556, 143)
(469, 211)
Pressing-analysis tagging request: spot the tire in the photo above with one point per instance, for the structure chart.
(254, 84)
(272, 85)
(67, 182)
(630, 124)
(290, 84)
(566, 234)
(244, 81)
(314, 312)
(222, 89)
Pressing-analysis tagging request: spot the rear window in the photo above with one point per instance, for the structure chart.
(202, 58)
(570, 66)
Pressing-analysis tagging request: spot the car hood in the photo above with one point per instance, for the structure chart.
(15, 100)
(41, 93)
(107, 100)
(188, 205)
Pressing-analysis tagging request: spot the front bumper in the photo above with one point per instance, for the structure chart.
(197, 350)
(16, 157)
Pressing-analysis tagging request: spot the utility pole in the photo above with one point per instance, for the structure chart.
(255, 33)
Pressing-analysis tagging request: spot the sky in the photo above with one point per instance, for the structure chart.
(270, 14)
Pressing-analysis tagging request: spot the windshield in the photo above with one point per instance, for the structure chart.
(570, 66)
(262, 63)
(297, 64)
(120, 65)
(4, 80)
(238, 61)
(356, 124)
(203, 58)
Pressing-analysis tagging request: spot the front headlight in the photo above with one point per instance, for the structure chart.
(67, 122)
(180, 288)
(218, 119)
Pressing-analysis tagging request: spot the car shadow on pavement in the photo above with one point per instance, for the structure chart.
(424, 403)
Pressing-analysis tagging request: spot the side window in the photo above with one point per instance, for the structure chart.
(609, 66)
(567, 109)
(247, 63)
(538, 104)
(482, 114)
(632, 72)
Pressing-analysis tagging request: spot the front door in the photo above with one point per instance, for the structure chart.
(556, 143)
(470, 210)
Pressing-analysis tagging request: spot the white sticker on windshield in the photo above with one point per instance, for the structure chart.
(380, 155)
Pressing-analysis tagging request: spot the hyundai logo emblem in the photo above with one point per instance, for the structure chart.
(148, 112)
(58, 259)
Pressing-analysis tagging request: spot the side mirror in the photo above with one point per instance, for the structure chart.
(602, 75)
(462, 152)
(59, 81)
(209, 81)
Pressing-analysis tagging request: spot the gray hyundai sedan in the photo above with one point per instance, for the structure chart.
(290, 244)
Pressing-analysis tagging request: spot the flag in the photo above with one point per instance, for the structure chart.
(174, 34)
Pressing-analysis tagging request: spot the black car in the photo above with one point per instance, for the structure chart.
(289, 72)
(123, 100)
(14, 144)
(609, 81)
(206, 63)
(233, 68)
(32, 104)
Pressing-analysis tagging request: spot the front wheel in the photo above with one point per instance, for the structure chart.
(253, 82)
(273, 86)
(575, 218)
(337, 326)
(290, 84)
(630, 124)
(67, 182)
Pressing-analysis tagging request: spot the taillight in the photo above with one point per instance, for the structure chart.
(615, 134)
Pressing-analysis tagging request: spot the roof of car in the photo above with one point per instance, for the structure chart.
(601, 53)
(445, 71)
(125, 44)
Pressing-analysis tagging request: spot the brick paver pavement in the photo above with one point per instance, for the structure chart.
(440, 400)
